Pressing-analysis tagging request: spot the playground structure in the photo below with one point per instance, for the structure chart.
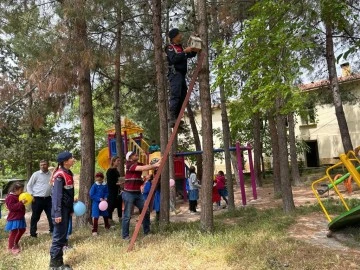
(132, 137)
(330, 181)
(133, 140)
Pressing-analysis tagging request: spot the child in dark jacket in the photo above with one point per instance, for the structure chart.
(16, 218)
(99, 192)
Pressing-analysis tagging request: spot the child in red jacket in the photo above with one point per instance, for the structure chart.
(221, 187)
(16, 218)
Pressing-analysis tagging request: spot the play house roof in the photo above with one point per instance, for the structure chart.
(127, 125)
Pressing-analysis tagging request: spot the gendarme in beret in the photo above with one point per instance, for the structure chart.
(64, 156)
(173, 33)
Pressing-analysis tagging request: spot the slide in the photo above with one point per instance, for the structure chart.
(103, 158)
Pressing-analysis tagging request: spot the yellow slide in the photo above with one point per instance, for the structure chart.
(103, 158)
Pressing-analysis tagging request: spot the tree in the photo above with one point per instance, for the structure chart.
(295, 174)
(206, 220)
(270, 52)
(330, 18)
(117, 85)
(77, 19)
(159, 67)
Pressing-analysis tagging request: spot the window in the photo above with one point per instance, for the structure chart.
(308, 116)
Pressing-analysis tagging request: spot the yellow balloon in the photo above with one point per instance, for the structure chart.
(26, 196)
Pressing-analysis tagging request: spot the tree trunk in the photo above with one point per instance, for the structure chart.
(87, 170)
(295, 174)
(224, 116)
(275, 155)
(263, 169)
(227, 143)
(287, 196)
(334, 85)
(257, 148)
(29, 164)
(159, 67)
(117, 85)
(235, 166)
(206, 219)
(197, 143)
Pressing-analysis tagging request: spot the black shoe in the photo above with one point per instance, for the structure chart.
(58, 264)
(62, 267)
(34, 235)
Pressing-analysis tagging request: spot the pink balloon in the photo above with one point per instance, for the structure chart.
(103, 205)
(172, 182)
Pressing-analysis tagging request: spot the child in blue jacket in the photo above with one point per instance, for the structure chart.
(156, 201)
(99, 192)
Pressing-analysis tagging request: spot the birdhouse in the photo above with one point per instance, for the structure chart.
(195, 43)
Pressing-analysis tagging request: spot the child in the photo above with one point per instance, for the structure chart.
(16, 218)
(173, 196)
(193, 190)
(215, 195)
(221, 187)
(156, 201)
(99, 192)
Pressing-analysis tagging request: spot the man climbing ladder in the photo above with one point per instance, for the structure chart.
(177, 58)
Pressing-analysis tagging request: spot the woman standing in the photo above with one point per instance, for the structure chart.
(112, 179)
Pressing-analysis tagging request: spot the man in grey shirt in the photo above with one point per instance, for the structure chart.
(39, 187)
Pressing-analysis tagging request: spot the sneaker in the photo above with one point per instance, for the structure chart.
(127, 238)
(94, 234)
(15, 250)
(34, 235)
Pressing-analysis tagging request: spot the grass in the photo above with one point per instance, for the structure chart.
(244, 239)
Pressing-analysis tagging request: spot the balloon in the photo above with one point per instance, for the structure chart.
(172, 182)
(79, 208)
(103, 205)
(26, 196)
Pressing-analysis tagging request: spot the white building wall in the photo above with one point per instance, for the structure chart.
(326, 130)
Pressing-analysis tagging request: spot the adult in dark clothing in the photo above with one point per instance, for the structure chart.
(177, 58)
(39, 187)
(112, 179)
(62, 208)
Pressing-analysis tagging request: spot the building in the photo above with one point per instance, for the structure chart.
(320, 130)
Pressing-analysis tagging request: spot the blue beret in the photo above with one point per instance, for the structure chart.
(64, 156)
(173, 33)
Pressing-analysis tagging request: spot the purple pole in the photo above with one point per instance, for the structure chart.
(241, 175)
(253, 181)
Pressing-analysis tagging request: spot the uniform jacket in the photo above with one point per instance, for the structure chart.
(62, 193)
(177, 58)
